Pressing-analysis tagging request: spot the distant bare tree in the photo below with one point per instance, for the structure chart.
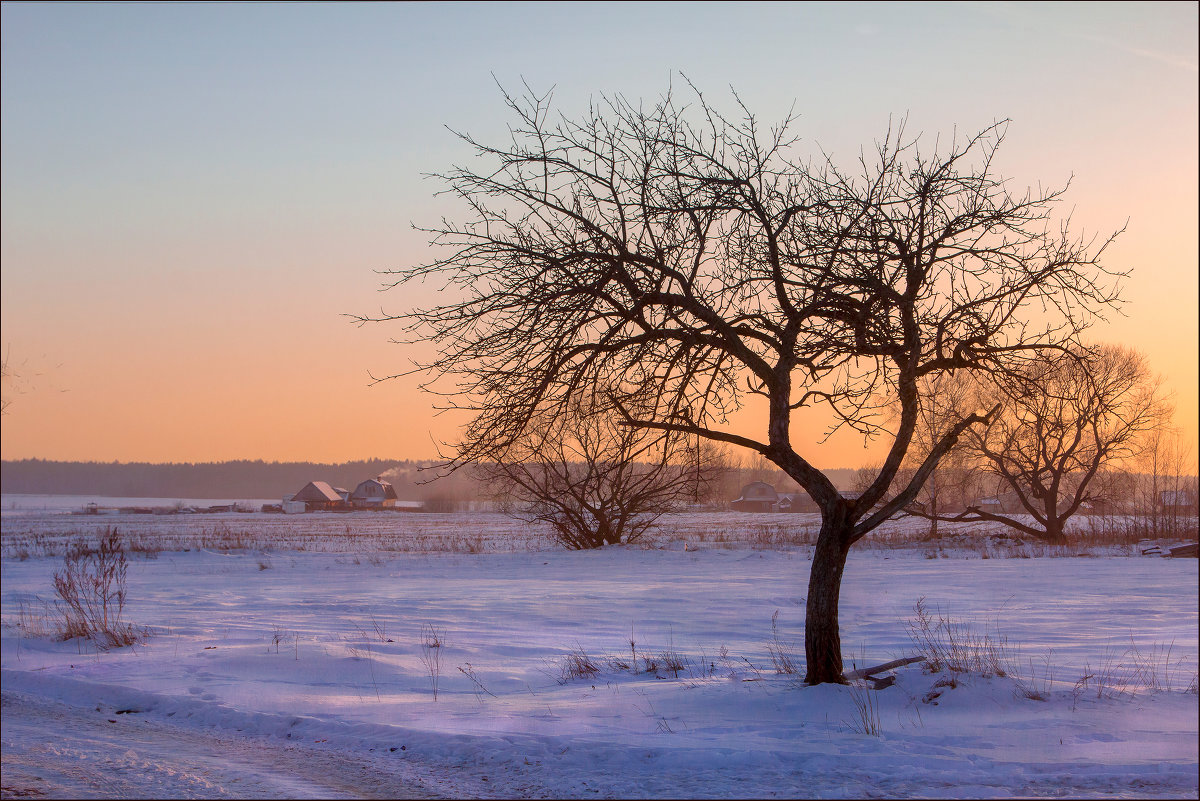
(694, 261)
(594, 480)
(1068, 420)
(954, 482)
(717, 474)
(1168, 491)
(762, 469)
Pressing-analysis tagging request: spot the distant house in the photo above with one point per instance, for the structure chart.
(797, 502)
(757, 496)
(319, 496)
(373, 493)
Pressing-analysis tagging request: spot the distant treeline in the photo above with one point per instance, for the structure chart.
(258, 479)
(239, 479)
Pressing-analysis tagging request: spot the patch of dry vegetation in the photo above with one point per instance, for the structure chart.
(91, 592)
(958, 648)
(37, 536)
(51, 535)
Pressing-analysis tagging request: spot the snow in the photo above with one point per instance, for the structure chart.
(292, 665)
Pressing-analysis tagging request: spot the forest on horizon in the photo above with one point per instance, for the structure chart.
(234, 479)
(244, 479)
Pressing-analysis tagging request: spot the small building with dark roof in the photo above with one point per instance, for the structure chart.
(757, 496)
(797, 502)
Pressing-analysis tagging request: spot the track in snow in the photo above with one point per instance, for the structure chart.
(101, 754)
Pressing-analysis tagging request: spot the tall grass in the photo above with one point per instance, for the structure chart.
(780, 652)
(956, 646)
(866, 710)
(91, 592)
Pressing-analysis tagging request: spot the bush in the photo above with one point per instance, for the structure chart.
(91, 589)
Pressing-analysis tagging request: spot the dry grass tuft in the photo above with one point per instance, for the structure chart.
(577, 664)
(866, 711)
(957, 647)
(781, 653)
(91, 589)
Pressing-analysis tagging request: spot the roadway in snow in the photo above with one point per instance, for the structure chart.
(106, 753)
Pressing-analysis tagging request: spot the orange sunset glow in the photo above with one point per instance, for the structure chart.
(196, 198)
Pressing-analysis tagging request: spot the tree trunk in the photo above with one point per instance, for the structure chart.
(1055, 530)
(822, 635)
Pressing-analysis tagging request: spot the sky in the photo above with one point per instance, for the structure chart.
(196, 198)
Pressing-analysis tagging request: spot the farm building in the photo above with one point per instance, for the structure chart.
(757, 496)
(318, 495)
(373, 493)
(797, 502)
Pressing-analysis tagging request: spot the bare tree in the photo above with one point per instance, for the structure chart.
(1166, 498)
(694, 262)
(716, 476)
(594, 480)
(762, 469)
(1068, 419)
(955, 481)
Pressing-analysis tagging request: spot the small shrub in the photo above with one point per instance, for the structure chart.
(91, 589)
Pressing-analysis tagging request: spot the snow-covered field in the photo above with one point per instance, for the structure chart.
(286, 657)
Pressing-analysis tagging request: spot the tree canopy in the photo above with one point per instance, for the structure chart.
(692, 260)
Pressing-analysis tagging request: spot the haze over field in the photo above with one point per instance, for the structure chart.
(194, 195)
